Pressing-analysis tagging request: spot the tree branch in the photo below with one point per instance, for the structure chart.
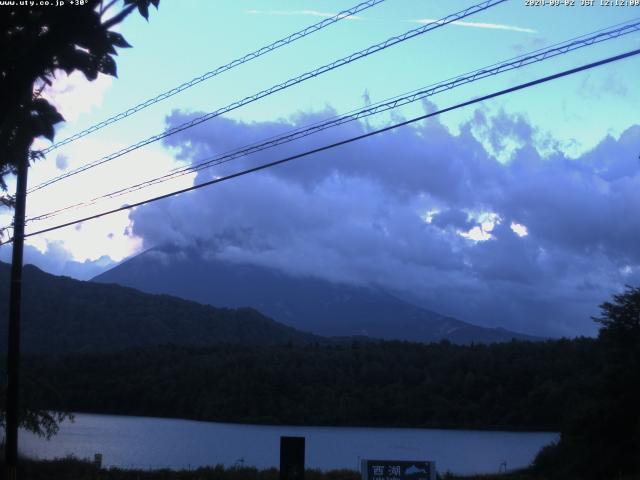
(119, 17)
(104, 9)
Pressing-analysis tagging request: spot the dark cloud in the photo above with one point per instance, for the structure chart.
(456, 219)
(389, 211)
(62, 161)
(502, 128)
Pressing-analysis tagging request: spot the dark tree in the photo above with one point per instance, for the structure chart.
(601, 438)
(35, 44)
(620, 337)
(620, 320)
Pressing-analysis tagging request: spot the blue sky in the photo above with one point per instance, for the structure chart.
(548, 136)
(190, 36)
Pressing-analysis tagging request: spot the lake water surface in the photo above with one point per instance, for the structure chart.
(144, 442)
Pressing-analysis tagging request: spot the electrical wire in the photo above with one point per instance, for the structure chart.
(416, 95)
(349, 13)
(281, 86)
(265, 166)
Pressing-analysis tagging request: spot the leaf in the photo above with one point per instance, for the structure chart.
(54, 116)
(118, 40)
(43, 117)
(36, 155)
(47, 130)
(8, 201)
(143, 8)
(91, 73)
(108, 66)
(74, 59)
(44, 109)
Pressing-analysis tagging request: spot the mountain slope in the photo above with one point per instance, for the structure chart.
(305, 303)
(61, 315)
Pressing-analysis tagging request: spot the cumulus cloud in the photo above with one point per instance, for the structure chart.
(398, 210)
(73, 94)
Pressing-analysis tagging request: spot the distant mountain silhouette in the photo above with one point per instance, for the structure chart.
(305, 303)
(62, 315)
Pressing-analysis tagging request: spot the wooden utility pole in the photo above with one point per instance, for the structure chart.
(15, 299)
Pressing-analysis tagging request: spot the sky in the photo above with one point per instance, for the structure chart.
(518, 212)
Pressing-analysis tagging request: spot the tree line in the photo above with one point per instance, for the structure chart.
(586, 388)
(517, 385)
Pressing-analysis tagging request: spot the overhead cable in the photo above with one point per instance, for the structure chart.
(281, 86)
(416, 95)
(265, 166)
(345, 14)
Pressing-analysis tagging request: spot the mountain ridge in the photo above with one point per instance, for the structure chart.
(64, 315)
(305, 303)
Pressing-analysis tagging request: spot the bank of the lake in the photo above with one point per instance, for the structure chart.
(76, 469)
(153, 443)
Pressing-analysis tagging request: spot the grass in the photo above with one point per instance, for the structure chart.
(76, 469)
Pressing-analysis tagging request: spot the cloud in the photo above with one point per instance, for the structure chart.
(311, 13)
(452, 218)
(55, 259)
(103, 236)
(490, 26)
(73, 94)
(399, 210)
(62, 161)
(611, 84)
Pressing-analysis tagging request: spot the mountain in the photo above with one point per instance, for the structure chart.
(305, 303)
(62, 315)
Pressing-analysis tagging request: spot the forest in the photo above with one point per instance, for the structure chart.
(517, 385)
(588, 389)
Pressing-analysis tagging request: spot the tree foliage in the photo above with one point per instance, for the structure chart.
(601, 435)
(37, 42)
(515, 385)
(620, 320)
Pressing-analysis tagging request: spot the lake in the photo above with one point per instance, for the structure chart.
(144, 442)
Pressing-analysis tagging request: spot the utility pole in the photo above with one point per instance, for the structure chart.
(13, 352)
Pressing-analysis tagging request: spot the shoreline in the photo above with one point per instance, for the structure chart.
(329, 448)
(84, 469)
(444, 427)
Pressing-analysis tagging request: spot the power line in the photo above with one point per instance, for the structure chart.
(217, 71)
(342, 142)
(281, 86)
(495, 69)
